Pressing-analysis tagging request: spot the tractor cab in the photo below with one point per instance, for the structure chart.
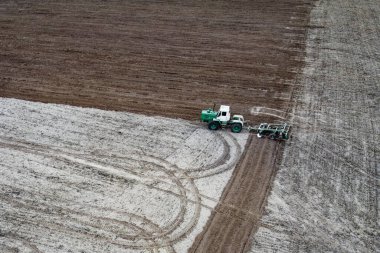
(224, 114)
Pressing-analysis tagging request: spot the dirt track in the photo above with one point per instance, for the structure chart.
(237, 214)
(169, 59)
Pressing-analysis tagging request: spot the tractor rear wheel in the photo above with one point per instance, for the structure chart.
(236, 128)
(213, 125)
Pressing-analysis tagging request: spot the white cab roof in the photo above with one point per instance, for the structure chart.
(224, 108)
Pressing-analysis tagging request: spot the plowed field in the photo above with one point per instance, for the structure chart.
(148, 57)
(169, 59)
(237, 215)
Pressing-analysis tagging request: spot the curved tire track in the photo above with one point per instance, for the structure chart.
(156, 236)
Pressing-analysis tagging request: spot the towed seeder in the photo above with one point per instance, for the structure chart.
(272, 131)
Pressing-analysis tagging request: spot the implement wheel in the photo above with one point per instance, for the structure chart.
(236, 128)
(273, 136)
(213, 125)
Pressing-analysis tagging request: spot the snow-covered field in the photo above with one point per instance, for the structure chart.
(85, 180)
(326, 195)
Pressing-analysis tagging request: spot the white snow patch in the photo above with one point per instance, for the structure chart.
(89, 180)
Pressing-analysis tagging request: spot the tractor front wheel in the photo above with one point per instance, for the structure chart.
(213, 125)
(236, 128)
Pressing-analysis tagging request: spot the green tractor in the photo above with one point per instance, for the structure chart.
(222, 119)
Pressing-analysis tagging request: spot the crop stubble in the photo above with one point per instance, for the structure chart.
(169, 59)
(326, 195)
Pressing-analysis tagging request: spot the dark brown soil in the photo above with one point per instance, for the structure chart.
(237, 215)
(165, 58)
(158, 58)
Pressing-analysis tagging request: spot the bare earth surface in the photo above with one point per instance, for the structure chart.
(326, 194)
(86, 180)
(236, 216)
(158, 58)
(169, 59)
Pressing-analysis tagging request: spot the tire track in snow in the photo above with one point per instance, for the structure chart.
(182, 196)
(161, 237)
